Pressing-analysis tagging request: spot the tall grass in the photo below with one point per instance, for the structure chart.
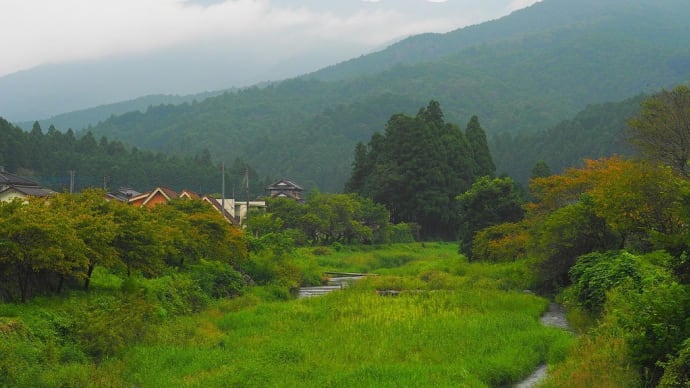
(452, 324)
(357, 338)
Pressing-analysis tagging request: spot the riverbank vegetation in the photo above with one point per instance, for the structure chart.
(453, 323)
(610, 240)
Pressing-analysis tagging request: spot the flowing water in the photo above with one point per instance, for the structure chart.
(334, 284)
(555, 317)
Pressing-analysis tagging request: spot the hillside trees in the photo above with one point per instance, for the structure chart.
(418, 166)
(48, 158)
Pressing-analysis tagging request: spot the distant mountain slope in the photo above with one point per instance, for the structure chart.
(81, 119)
(597, 131)
(539, 18)
(517, 77)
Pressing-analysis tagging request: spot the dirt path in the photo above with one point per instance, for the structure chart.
(555, 317)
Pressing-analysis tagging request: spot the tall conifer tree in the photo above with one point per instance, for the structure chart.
(480, 149)
(417, 168)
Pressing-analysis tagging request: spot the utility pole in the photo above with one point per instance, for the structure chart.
(71, 181)
(246, 189)
(222, 199)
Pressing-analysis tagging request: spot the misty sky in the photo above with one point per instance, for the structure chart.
(35, 32)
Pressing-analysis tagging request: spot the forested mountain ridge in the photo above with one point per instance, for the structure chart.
(525, 82)
(595, 132)
(82, 118)
(541, 17)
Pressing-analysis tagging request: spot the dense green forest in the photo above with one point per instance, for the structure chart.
(527, 82)
(48, 157)
(597, 131)
(81, 119)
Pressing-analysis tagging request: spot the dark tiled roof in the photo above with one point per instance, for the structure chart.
(9, 179)
(123, 194)
(284, 184)
(32, 191)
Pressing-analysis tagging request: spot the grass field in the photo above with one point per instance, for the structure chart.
(452, 324)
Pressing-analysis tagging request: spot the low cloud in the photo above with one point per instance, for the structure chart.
(48, 31)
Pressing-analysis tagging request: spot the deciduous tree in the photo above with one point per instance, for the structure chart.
(488, 202)
(662, 129)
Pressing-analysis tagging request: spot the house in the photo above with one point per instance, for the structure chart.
(285, 189)
(235, 210)
(123, 194)
(14, 186)
(154, 197)
(188, 194)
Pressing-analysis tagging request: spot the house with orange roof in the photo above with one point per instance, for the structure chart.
(154, 197)
(188, 194)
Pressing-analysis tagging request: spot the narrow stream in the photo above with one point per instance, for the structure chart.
(555, 317)
(336, 283)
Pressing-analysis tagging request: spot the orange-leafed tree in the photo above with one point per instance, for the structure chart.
(503, 242)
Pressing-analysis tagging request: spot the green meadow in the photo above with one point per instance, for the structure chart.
(451, 323)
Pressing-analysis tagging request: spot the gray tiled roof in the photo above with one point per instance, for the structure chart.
(32, 191)
(285, 184)
(9, 179)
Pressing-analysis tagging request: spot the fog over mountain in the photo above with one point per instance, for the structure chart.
(64, 56)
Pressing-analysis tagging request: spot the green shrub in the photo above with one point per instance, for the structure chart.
(272, 292)
(653, 319)
(596, 273)
(105, 325)
(268, 268)
(321, 251)
(176, 294)
(19, 360)
(392, 261)
(565, 235)
(677, 370)
(219, 280)
(401, 233)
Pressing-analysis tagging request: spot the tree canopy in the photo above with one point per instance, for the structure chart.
(662, 129)
(49, 243)
(488, 202)
(418, 166)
